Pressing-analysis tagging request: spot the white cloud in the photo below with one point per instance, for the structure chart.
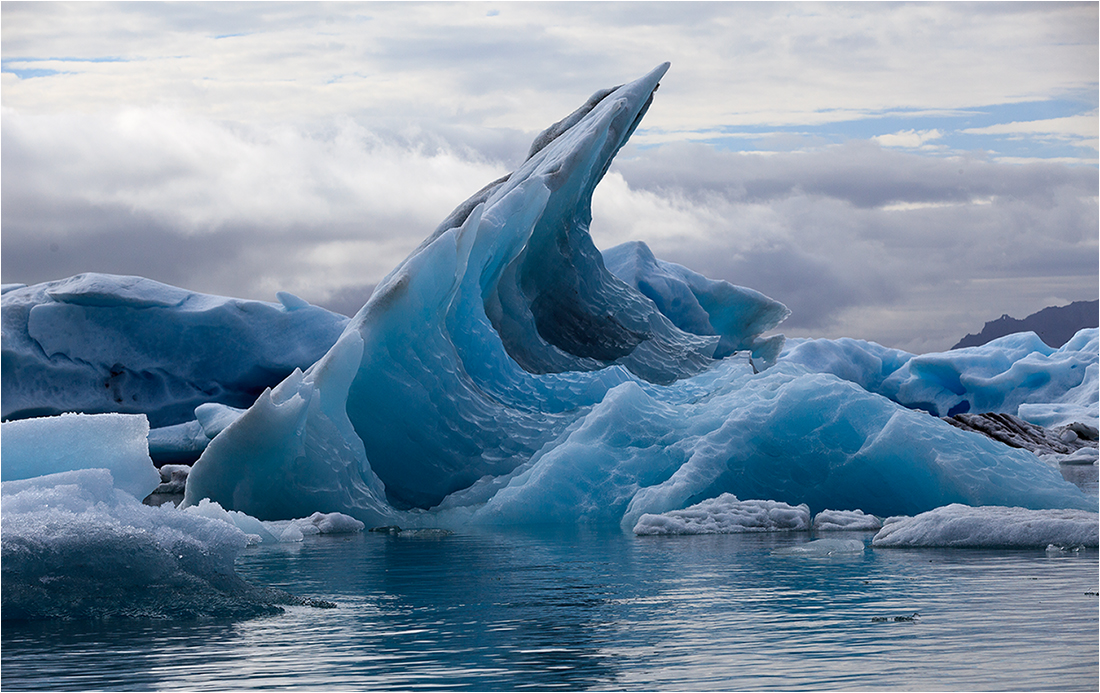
(310, 213)
(908, 139)
(1080, 126)
(1082, 130)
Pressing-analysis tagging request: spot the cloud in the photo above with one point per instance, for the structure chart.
(908, 139)
(244, 211)
(853, 236)
(1080, 126)
(248, 148)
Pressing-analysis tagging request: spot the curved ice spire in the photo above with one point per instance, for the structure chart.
(501, 374)
(495, 334)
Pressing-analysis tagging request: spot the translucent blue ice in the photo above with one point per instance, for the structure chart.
(49, 445)
(502, 374)
(1017, 374)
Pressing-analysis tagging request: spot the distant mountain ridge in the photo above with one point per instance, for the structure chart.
(1054, 325)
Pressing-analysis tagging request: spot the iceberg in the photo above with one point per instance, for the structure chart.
(700, 305)
(961, 526)
(1017, 374)
(281, 531)
(726, 515)
(100, 343)
(185, 442)
(846, 520)
(77, 547)
(508, 372)
(48, 445)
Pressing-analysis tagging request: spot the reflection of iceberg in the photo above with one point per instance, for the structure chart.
(505, 375)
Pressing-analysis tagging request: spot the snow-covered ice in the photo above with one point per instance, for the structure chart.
(77, 547)
(727, 515)
(961, 526)
(845, 520)
(278, 531)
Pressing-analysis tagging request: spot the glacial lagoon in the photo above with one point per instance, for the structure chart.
(588, 608)
(508, 376)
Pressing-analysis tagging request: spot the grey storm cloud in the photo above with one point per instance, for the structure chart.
(326, 213)
(248, 148)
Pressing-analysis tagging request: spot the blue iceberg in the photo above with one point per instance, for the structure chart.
(508, 372)
(1017, 374)
(102, 343)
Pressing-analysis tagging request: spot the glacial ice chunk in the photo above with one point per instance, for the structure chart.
(97, 343)
(961, 526)
(727, 515)
(47, 445)
(1017, 374)
(700, 305)
(502, 374)
(278, 531)
(845, 520)
(294, 452)
(823, 547)
(76, 547)
(501, 329)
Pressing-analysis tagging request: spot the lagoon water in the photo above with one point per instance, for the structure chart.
(599, 609)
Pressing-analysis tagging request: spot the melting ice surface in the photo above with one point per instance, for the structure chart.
(509, 373)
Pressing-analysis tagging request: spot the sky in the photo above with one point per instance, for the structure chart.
(900, 173)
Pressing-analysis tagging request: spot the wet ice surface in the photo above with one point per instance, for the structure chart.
(601, 609)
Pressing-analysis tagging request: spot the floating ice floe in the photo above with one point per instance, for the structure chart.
(961, 526)
(845, 520)
(76, 547)
(278, 531)
(1017, 374)
(727, 515)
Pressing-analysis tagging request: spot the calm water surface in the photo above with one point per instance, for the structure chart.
(600, 609)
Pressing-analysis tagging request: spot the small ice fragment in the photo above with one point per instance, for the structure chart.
(822, 547)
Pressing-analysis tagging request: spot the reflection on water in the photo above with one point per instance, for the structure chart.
(598, 609)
